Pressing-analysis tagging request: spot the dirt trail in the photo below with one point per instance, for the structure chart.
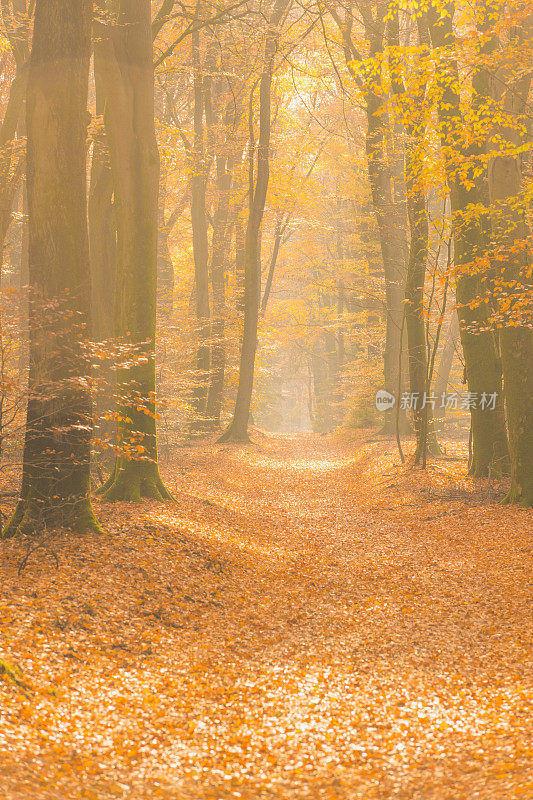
(309, 620)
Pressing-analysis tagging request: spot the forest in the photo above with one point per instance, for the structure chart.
(266, 399)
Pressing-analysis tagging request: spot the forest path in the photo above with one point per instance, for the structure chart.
(309, 620)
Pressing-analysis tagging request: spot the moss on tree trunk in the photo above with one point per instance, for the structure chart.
(56, 460)
(126, 51)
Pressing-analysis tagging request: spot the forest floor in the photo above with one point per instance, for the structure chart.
(309, 620)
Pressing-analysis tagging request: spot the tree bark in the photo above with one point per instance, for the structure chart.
(415, 125)
(278, 235)
(444, 369)
(414, 308)
(238, 427)
(391, 242)
(56, 461)
(199, 176)
(483, 366)
(16, 25)
(516, 335)
(387, 212)
(103, 252)
(165, 267)
(134, 156)
(239, 264)
(220, 242)
(321, 416)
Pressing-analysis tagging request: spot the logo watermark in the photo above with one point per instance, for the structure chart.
(384, 400)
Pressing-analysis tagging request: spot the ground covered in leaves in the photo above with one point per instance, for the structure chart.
(309, 620)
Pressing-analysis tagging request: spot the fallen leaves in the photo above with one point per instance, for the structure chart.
(309, 620)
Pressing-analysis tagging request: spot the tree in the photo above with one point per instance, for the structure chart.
(56, 468)
(15, 18)
(512, 260)
(224, 162)
(238, 427)
(102, 226)
(103, 253)
(471, 242)
(200, 167)
(412, 107)
(134, 156)
(368, 76)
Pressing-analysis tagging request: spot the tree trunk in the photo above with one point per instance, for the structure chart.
(103, 251)
(16, 25)
(278, 235)
(218, 262)
(165, 267)
(471, 240)
(238, 427)
(444, 369)
(239, 265)
(321, 418)
(56, 465)
(414, 290)
(199, 174)
(129, 120)
(391, 239)
(414, 305)
(516, 336)
(414, 120)
(387, 212)
(102, 238)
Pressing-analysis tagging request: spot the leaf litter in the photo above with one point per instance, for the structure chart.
(310, 619)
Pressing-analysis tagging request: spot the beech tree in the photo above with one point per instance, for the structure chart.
(200, 166)
(56, 467)
(367, 73)
(413, 113)
(471, 241)
(15, 18)
(126, 50)
(237, 430)
(511, 233)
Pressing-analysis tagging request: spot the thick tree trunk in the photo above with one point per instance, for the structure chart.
(129, 120)
(471, 240)
(102, 237)
(516, 335)
(102, 231)
(56, 468)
